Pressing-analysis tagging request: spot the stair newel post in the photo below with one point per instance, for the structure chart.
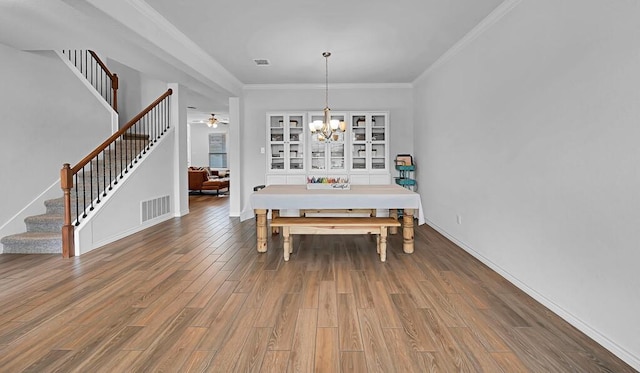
(66, 182)
(114, 87)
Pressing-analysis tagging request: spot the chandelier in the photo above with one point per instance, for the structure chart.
(213, 121)
(327, 128)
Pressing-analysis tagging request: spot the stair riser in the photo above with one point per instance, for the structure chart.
(56, 207)
(44, 226)
(37, 247)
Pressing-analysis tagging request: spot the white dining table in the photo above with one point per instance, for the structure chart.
(298, 197)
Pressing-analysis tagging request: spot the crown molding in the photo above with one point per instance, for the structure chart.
(497, 14)
(161, 33)
(259, 87)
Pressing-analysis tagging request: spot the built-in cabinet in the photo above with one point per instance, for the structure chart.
(286, 138)
(369, 149)
(360, 153)
(328, 155)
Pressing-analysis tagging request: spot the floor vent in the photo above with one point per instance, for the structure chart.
(155, 207)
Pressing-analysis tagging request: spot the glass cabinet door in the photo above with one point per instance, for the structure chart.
(286, 142)
(328, 155)
(336, 155)
(318, 155)
(359, 139)
(378, 144)
(369, 150)
(296, 142)
(275, 134)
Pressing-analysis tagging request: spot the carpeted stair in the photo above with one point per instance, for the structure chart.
(44, 232)
(43, 235)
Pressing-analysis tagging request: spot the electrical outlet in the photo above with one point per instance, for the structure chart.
(262, 150)
(459, 219)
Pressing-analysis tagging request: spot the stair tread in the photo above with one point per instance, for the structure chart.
(33, 243)
(27, 236)
(45, 217)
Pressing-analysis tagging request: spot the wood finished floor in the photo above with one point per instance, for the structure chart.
(193, 295)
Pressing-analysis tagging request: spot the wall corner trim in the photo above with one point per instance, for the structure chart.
(493, 17)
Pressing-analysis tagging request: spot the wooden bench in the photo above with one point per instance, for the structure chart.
(370, 212)
(304, 212)
(335, 225)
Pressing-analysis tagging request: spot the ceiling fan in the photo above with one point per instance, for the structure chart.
(213, 121)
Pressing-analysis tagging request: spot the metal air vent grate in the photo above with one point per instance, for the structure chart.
(154, 207)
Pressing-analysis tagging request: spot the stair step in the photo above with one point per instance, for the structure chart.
(44, 234)
(135, 136)
(45, 223)
(56, 207)
(33, 243)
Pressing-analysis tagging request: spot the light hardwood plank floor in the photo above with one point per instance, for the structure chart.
(193, 295)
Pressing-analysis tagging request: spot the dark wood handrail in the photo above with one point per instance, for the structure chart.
(112, 76)
(97, 73)
(102, 65)
(119, 133)
(144, 129)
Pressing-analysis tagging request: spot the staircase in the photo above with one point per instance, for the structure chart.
(43, 235)
(44, 232)
(84, 185)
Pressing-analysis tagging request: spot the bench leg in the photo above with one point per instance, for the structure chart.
(383, 244)
(378, 243)
(275, 214)
(393, 213)
(286, 243)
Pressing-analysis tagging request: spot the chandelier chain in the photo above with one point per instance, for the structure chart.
(326, 78)
(327, 129)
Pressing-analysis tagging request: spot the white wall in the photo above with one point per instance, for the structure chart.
(161, 172)
(136, 90)
(199, 143)
(40, 100)
(258, 101)
(119, 215)
(151, 89)
(129, 90)
(530, 133)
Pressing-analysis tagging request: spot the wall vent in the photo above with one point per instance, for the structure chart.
(261, 61)
(155, 207)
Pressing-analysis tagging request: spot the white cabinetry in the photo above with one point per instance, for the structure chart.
(361, 153)
(328, 157)
(286, 137)
(369, 149)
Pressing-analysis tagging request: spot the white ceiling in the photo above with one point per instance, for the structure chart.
(209, 45)
(372, 41)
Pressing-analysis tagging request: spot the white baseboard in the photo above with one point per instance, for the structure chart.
(605, 342)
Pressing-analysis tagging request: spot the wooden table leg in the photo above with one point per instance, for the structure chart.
(393, 213)
(286, 242)
(275, 214)
(261, 230)
(383, 244)
(407, 231)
